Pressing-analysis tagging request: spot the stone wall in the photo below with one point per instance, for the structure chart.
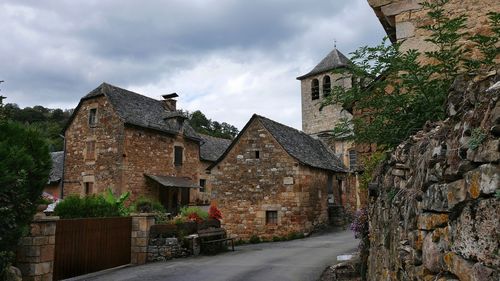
(141, 225)
(150, 152)
(123, 154)
(402, 18)
(246, 187)
(315, 120)
(435, 206)
(104, 169)
(35, 254)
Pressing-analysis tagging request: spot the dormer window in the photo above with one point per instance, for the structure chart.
(92, 116)
(327, 86)
(315, 89)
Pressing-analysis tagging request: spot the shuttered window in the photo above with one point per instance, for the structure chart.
(352, 159)
(90, 150)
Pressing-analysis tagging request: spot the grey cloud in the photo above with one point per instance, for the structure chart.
(53, 52)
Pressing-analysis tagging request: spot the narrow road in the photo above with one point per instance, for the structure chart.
(302, 259)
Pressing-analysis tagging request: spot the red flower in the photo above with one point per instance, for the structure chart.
(194, 217)
(214, 212)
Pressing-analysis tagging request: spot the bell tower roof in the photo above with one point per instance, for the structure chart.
(335, 59)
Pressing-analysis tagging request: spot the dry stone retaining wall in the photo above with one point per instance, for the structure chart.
(435, 213)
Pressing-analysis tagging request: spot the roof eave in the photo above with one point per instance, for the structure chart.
(311, 73)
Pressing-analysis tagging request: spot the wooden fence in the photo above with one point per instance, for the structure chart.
(89, 245)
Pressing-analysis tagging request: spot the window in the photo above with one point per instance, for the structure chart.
(203, 182)
(92, 116)
(315, 89)
(89, 186)
(352, 159)
(272, 217)
(178, 155)
(257, 154)
(90, 150)
(327, 86)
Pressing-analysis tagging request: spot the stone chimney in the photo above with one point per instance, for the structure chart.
(169, 103)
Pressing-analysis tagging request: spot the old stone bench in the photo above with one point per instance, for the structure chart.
(215, 236)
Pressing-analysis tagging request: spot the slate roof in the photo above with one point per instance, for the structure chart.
(212, 148)
(335, 59)
(301, 146)
(57, 166)
(306, 149)
(138, 110)
(169, 181)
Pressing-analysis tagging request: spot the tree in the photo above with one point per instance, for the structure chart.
(24, 169)
(49, 122)
(393, 94)
(203, 125)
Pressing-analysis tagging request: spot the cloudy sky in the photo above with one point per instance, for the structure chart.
(228, 58)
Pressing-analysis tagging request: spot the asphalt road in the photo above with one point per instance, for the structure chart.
(302, 260)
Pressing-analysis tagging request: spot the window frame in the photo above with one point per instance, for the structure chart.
(90, 153)
(315, 89)
(88, 188)
(327, 86)
(203, 183)
(271, 217)
(178, 155)
(92, 121)
(353, 159)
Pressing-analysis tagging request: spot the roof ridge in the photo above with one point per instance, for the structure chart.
(128, 91)
(334, 59)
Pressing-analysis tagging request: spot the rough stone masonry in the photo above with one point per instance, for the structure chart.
(434, 214)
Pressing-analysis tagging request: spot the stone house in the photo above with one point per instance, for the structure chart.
(53, 186)
(274, 180)
(122, 140)
(401, 19)
(318, 122)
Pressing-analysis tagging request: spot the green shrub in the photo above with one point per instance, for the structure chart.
(188, 210)
(24, 169)
(94, 206)
(276, 238)
(397, 92)
(254, 239)
(119, 201)
(147, 205)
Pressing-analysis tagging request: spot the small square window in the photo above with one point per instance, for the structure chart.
(257, 154)
(203, 182)
(92, 116)
(178, 155)
(272, 217)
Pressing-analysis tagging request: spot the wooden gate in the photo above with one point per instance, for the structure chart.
(89, 245)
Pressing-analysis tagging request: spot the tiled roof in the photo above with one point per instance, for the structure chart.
(57, 166)
(306, 149)
(142, 111)
(212, 148)
(335, 59)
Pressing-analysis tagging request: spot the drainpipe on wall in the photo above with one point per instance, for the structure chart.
(64, 160)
